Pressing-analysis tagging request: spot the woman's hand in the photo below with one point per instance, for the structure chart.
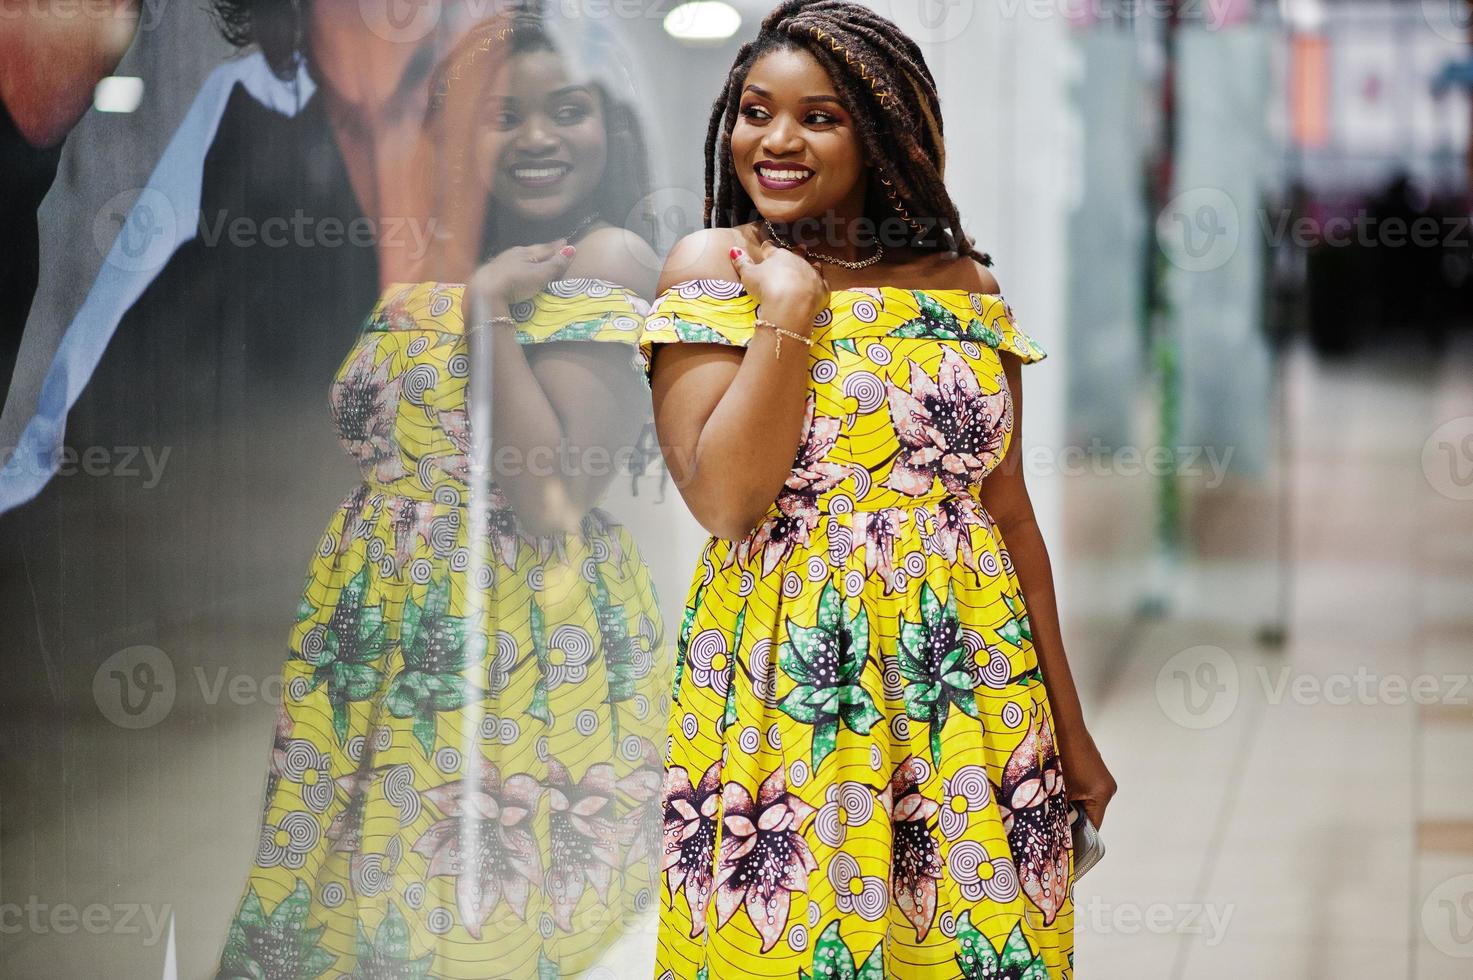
(783, 279)
(1085, 776)
(520, 272)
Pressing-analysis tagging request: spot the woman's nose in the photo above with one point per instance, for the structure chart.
(781, 138)
(536, 135)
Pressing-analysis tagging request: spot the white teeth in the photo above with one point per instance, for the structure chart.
(538, 173)
(782, 174)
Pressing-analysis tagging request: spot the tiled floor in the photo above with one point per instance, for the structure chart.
(1322, 826)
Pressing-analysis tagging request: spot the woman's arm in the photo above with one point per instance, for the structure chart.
(729, 420)
(552, 403)
(518, 414)
(1005, 496)
(594, 387)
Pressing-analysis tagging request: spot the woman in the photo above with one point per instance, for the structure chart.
(871, 728)
(464, 781)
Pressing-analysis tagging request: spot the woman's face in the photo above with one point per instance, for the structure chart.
(543, 144)
(794, 145)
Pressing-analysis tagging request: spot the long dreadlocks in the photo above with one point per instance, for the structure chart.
(882, 77)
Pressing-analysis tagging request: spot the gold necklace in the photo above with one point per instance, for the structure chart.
(579, 228)
(846, 263)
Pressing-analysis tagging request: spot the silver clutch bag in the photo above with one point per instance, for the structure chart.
(1088, 848)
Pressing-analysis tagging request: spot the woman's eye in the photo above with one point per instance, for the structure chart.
(571, 115)
(815, 118)
(505, 119)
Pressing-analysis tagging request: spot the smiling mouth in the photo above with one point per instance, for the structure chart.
(545, 175)
(782, 176)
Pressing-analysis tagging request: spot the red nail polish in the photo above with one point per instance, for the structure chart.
(735, 253)
(567, 250)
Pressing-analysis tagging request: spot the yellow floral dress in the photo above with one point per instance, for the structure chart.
(861, 777)
(465, 776)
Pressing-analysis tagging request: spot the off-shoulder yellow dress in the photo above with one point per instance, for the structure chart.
(455, 794)
(862, 780)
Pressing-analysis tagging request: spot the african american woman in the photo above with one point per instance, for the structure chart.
(875, 739)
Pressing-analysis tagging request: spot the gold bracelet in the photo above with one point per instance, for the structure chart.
(486, 323)
(777, 352)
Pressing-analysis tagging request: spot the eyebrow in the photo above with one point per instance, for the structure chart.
(759, 90)
(556, 93)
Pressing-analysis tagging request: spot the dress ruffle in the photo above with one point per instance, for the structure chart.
(719, 311)
(566, 309)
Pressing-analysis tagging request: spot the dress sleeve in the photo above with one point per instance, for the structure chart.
(698, 311)
(581, 309)
(999, 329)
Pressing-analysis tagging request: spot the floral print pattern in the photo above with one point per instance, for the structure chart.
(485, 844)
(832, 960)
(949, 428)
(464, 769)
(585, 837)
(953, 539)
(856, 683)
(827, 659)
(937, 667)
(387, 955)
(764, 858)
(363, 405)
(980, 960)
(276, 945)
(797, 502)
(435, 646)
(347, 649)
(1035, 814)
(916, 863)
(690, 839)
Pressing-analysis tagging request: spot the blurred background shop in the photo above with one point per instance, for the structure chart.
(1240, 228)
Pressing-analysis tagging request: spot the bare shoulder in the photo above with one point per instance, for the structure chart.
(619, 256)
(952, 271)
(704, 254)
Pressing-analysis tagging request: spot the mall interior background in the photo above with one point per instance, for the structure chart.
(1251, 451)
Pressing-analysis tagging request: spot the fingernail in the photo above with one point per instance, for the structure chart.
(567, 251)
(735, 253)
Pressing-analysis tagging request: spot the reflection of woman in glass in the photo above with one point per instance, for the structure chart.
(464, 781)
(871, 729)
